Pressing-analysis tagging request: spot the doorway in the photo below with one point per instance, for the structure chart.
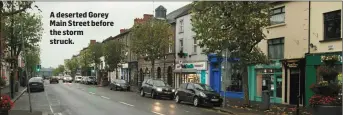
(294, 86)
(141, 77)
(170, 76)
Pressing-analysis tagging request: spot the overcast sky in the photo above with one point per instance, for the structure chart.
(122, 13)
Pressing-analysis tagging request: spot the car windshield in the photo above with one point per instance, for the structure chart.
(35, 79)
(203, 87)
(159, 83)
(121, 81)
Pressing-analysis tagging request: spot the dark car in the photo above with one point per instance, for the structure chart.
(156, 88)
(120, 84)
(36, 84)
(198, 94)
(54, 80)
(90, 80)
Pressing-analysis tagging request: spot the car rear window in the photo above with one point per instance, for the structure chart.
(36, 79)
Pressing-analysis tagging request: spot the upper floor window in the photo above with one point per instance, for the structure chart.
(170, 48)
(332, 25)
(277, 15)
(276, 48)
(195, 45)
(181, 26)
(181, 44)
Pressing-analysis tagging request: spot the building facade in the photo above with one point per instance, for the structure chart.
(190, 62)
(286, 45)
(325, 40)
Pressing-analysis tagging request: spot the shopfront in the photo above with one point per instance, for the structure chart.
(190, 72)
(313, 61)
(266, 75)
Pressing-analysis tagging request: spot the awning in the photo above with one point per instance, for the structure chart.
(185, 71)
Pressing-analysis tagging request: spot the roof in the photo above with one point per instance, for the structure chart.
(117, 36)
(186, 11)
(171, 16)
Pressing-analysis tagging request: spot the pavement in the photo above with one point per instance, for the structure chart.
(80, 99)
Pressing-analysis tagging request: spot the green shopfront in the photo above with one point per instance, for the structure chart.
(266, 76)
(313, 61)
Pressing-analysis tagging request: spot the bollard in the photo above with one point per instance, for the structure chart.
(265, 100)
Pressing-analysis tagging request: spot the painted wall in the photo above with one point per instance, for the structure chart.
(187, 37)
(317, 26)
(294, 30)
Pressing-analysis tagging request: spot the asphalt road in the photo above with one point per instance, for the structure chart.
(79, 99)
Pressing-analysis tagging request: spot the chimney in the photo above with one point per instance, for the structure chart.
(147, 16)
(122, 30)
(92, 41)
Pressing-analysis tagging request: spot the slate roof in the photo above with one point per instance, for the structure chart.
(171, 16)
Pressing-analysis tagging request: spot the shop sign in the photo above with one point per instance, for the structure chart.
(292, 64)
(197, 66)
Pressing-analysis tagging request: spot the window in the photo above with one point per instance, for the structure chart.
(181, 26)
(195, 45)
(276, 48)
(183, 86)
(277, 16)
(181, 44)
(332, 25)
(190, 86)
(170, 48)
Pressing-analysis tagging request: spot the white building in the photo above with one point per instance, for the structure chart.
(190, 62)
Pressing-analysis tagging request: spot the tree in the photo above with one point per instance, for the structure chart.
(95, 51)
(151, 40)
(61, 68)
(113, 53)
(85, 61)
(32, 59)
(72, 65)
(21, 6)
(233, 26)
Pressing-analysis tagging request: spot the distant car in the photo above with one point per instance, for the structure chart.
(78, 79)
(67, 79)
(120, 84)
(54, 79)
(156, 88)
(90, 80)
(198, 94)
(36, 84)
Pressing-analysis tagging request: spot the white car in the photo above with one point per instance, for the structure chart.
(78, 79)
(67, 79)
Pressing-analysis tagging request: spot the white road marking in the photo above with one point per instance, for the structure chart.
(58, 114)
(187, 111)
(126, 104)
(46, 95)
(157, 113)
(105, 97)
(91, 93)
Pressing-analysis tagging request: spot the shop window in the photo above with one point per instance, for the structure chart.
(332, 25)
(236, 83)
(277, 16)
(276, 48)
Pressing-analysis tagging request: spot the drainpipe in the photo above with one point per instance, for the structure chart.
(309, 27)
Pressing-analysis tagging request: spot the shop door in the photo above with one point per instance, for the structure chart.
(215, 81)
(277, 88)
(294, 86)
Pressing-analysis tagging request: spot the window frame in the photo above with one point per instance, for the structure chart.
(181, 44)
(326, 21)
(195, 45)
(281, 42)
(181, 27)
(282, 11)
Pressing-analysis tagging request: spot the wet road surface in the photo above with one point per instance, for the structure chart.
(79, 99)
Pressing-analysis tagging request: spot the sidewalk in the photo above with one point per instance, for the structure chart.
(235, 106)
(7, 90)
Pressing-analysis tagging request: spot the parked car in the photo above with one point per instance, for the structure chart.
(120, 84)
(91, 80)
(83, 79)
(36, 84)
(156, 88)
(198, 94)
(78, 79)
(54, 79)
(67, 79)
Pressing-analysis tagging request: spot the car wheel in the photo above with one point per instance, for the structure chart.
(111, 88)
(196, 101)
(153, 96)
(128, 89)
(142, 93)
(171, 97)
(42, 90)
(177, 99)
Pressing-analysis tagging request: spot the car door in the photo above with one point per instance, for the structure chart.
(145, 86)
(181, 91)
(149, 86)
(190, 92)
